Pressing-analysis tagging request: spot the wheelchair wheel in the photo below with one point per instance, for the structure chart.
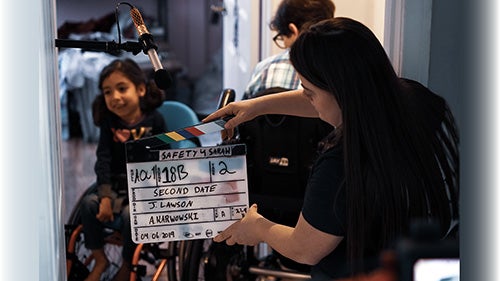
(75, 217)
(182, 260)
(192, 260)
(79, 260)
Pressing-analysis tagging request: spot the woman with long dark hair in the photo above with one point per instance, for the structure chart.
(392, 158)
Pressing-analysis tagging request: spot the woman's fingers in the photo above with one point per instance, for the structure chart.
(232, 123)
(237, 110)
(229, 233)
(227, 134)
(216, 114)
(254, 207)
(226, 234)
(230, 242)
(219, 237)
(223, 236)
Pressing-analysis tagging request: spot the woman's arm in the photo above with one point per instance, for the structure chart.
(304, 243)
(288, 103)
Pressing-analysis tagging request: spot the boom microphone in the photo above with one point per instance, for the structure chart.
(162, 77)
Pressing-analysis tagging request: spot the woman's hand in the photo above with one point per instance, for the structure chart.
(244, 231)
(241, 111)
(105, 210)
(288, 103)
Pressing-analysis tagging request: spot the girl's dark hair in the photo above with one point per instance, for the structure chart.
(153, 98)
(300, 12)
(399, 139)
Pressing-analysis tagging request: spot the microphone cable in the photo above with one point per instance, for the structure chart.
(118, 20)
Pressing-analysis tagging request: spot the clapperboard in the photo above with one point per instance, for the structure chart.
(183, 194)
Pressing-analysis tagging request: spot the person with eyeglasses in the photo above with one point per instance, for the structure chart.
(276, 71)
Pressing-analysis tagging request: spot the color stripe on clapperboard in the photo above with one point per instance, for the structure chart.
(193, 131)
(159, 140)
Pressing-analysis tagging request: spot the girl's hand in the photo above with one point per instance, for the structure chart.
(244, 231)
(105, 210)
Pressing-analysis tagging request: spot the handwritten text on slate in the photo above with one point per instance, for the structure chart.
(190, 193)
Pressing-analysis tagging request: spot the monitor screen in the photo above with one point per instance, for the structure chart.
(436, 269)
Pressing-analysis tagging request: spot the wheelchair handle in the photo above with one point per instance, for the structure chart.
(227, 96)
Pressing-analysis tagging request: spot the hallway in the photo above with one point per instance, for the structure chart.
(78, 171)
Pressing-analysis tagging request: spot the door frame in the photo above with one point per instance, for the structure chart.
(407, 37)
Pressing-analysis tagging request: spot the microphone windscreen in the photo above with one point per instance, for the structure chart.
(136, 16)
(163, 79)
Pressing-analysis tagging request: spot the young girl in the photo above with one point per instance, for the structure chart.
(124, 111)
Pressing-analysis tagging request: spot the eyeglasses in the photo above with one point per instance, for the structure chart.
(278, 40)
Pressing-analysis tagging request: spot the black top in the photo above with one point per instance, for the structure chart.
(111, 157)
(324, 207)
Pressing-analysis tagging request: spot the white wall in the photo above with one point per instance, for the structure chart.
(369, 12)
(240, 42)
